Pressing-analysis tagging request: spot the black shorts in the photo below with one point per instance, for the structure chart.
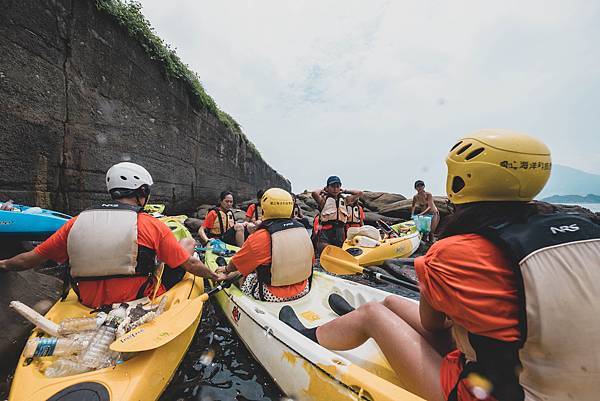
(335, 235)
(229, 236)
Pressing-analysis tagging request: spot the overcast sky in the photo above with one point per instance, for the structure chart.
(377, 91)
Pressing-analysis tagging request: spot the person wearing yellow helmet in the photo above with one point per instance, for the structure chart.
(276, 260)
(511, 281)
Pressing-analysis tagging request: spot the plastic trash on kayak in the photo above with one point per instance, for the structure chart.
(82, 344)
(423, 223)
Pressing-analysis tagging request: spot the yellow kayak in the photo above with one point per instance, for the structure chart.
(303, 369)
(142, 377)
(369, 252)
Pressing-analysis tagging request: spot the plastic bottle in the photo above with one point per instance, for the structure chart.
(78, 324)
(64, 367)
(98, 355)
(44, 346)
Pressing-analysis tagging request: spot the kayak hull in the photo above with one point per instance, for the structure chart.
(30, 223)
(390, 248)
(302, 369)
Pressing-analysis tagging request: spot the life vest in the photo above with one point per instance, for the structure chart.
(334, 211)
(102, 244)
(557, 263)
(355, 214)
(291, 254)
(223, 222)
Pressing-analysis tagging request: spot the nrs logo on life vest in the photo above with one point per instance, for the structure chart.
(564, 229)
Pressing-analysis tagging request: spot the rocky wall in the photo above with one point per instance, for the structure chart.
(78, 94)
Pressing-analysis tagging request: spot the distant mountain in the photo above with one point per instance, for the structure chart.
(577, 199)
(569, 181)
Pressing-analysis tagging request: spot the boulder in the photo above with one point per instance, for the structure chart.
(376, 200)
(401, 209)
(192, 224)
(372, 217)
(37, 290)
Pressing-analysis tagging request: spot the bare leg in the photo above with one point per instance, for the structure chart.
(414, 360)
(434, 224)
(409, 312)
(239, 234)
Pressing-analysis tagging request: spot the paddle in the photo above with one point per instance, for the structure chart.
(158, 274)
(167, 325)
(337, 261)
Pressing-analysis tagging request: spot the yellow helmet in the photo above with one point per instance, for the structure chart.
(497, 165)
(277, 203)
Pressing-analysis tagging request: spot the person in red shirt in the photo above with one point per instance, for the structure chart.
(276, 261)
(467, 283)
(112, 248)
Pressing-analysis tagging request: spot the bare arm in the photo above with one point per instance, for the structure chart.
(23, 261)
(431, 319)
(197, 268)
(316, 194)
(202, 234)
(354, 195)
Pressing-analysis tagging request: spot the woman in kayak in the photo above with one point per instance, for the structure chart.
(276, 261)
(501, 264)
(220, 223)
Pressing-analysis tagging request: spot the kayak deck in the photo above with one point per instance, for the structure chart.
(302, 368)
(143, 377)
(390, 248)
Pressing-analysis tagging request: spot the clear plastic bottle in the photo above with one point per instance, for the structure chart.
(47, 346)
(65, 367)
(78, 324)
(98, 355)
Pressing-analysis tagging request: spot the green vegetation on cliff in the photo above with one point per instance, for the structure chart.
(129, 15)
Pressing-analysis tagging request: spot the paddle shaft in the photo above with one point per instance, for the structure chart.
(406, 284)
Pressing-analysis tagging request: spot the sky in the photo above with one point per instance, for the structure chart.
(378, 91)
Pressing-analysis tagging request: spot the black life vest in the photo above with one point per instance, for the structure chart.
(556, 259)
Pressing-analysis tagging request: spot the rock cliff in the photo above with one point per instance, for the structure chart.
(79, 92)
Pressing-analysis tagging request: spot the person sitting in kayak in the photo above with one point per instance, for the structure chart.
(220, 223)
(112, 248)
(254, 212)
(277, 259)
(518, 285)
(356, 215)
(333, 213)
(423, 201)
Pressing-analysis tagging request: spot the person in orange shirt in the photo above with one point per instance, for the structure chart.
(506, 345)
(276, 260)
(112, 248)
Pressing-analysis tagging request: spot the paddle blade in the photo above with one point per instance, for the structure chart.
(337, 261)
(161, 330)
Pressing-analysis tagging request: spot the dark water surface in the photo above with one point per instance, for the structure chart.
(218, 367)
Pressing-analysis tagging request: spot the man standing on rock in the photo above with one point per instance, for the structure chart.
(423, 201)
(112, 248)
(333, 213)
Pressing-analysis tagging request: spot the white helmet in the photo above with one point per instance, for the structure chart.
(128, 177)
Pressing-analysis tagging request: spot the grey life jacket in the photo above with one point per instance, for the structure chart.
(557, 263)
(292, 254)
(102, 244)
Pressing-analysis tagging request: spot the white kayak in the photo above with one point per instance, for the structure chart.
(303, 369)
